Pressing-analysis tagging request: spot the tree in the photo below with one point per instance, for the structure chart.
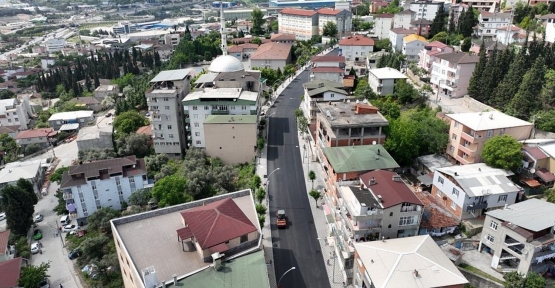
(452, 27)
(129, 122)
(257, 18)
(517, 280)
(94, 247)
(60, 208)
(545, 120)
(96, 154)
(509, 87)
(534, 280)
(100, 219)
(9, 147)
(171, 190)
(526, 101)
(475, 83)
(315, 194)
(155, 163)
(31, 276)
(513, 280)
(140, 197)
(502, 151)
(330, 29)
(467, 21)
(256, 40)
(388, 108)
(312, 177)
(134, 144)
(548, 91)
(260, 194)
(57, 175)
(405, 92)
(438, 24)
(467, 43)
(27, 186)
(18, 205)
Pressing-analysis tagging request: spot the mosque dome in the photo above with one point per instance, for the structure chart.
(226, 63)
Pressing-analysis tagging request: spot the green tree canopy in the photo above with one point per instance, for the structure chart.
(19, 207)
(100, 219)
(140, 197)
(9, 147)
(257, 18)
(439, 24)
(545, 120)
(57, 175)
(502, 152)
(330, 29)
(517, 280)
(31, 276)
(171, 190)
(134, 144)
(128, 122)
(526, 101)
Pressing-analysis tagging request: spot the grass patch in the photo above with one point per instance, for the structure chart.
(480, 272)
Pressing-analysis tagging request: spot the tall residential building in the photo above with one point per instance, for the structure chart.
(164, 105)
(412, 44)
(15, 112)
(469, 132)
(427, 55)
(382, 25)
(341, 18)
(224, 93)
(382, 80)
(488, 23)
(302, 23)
(90, 186)
(355, 48)
(482, 5)
(451, 73)
(425, 9)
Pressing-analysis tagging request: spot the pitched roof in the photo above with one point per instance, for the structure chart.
(4, 237)
(241, 47)
(127, 166)
(147, 130)
(406, 12)
(496, 14)
(435, 215)
(328, 58)
(414, 37)
(272, 50)
(9, 272)
(512, 28)
(357, 40)
(298, 12)
(437, 44)
(360, 158)
(401, 31)
(326, 89)
(35, 133)
(9, 129)
(393, 192)
(327, 70)
(329, 11)
(384, 15)
(479, 179)
(317, 83)
(392, 263)
(532, 214)
(217, 222)
(459, 57)
(535, 152)
(421, 22)
(283, 37)
(85, 100)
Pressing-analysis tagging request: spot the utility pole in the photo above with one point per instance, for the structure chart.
(509, 28)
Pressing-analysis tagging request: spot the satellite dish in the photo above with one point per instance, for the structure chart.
(532, 170)
(373, 142)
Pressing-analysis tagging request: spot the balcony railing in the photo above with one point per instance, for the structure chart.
(477, 206)
(468, 137)
(68, 196)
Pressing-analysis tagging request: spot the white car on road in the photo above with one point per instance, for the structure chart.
(35, 248)
(69, 228)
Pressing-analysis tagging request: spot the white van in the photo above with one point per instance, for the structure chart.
(64, 220)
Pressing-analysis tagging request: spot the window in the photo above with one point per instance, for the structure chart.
(197, 133)
(454, 136)
(194, 107)
(167, 107)
(493, 225)
(490, 238)
(502, 131)
(195, 116)
(16, 119)
(502, 198)
(244, 238)
(489, 133)
(391, 214)
(453, 205)
(440, 179)
(206, 107)
(456, 192)
(166, 99)
(456, 124)
(196, 124)
(117, 181)
(332, 95)
(198, 142)
(170, 135)
(451, 148)
(244, 107)
(409, 220)
(169, 127)
(438, 192)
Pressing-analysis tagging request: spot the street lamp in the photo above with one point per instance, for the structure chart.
(292, 268)
(439, 87)
(268, 183)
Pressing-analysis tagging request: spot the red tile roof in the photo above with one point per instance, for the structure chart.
(437, 44)
(283, 37)
(435, 216)
(357, 41)
(4, 237)
(241, 47)
(328, 58)
(298, 12)
(545, 175)
(147, 130)
(329, 11)
(392, 192)
(9, 272)
(217, 222)
(35, 133)
(400, 31)
(385, 15)
(327, 70)
(272, 50)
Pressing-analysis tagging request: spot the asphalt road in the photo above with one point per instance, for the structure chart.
(297, 245)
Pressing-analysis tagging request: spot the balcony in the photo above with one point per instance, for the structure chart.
(220, 112)
(510, 241)
(468, 137)
(68, 196)
(465, 159)
(476, 206)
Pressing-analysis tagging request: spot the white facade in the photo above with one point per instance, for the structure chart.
(382, 80)
(342, 20)
(13, 112)
(403, 19)
(451, 74)
(550, 32)
(268, 63)
(427, 55)
(425, 10)
(356, 52)
(412, 48)
(383, 23)
(55, 44)
(488, 23)
(508, 35)
(396, 38)
(302, 26)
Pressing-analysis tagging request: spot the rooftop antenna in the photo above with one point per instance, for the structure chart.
(222, 30)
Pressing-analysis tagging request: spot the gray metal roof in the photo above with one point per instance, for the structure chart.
(533, 214)
(67, 127)
(206, 78)
(171, 75)
(434, 161)
(479, 179)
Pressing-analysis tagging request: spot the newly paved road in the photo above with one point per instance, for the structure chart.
(297, 245)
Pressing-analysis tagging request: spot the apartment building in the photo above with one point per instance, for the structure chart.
(469, 132)
(15, 112)
(425, 9)
(412, 44)
(405, 262)
(164, 104)
(327, 67)
(302, 23)
(469, 191)
(380, 207)
(510, 34)
(340, 17)
(451, 73)
(520, 236)
(31, 170)
(224, 93)
(320, 91)
(87, 187)
(396, 36)
(538, 162)
(55, 44)
(421, 26)
(231, 138)
(427, 55)
(383, 23)
(482, 5)
(382, 80)
(456, 10)
(489, 23)
(403, 19)
(355, 48)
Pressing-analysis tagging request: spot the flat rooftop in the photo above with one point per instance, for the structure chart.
(344, 114)
(362, 195)
(93, 132)
(221, 93)
(480, 121)
(151, 238)
(534, 214)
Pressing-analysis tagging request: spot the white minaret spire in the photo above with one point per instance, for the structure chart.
(222, 29)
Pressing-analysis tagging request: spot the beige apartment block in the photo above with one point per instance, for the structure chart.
(232, 138)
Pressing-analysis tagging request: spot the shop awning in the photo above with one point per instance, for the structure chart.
(545, 175)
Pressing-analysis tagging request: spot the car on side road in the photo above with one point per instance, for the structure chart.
(69, 228)
(281, 219)
(37, 234)
(74, 254)
(35, 248)
(39, 217)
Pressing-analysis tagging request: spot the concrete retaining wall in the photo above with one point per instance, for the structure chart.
(539, 134)
(475, 105)
(479, 281)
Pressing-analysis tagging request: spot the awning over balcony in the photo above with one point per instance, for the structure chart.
(71, 208)
(545, 175)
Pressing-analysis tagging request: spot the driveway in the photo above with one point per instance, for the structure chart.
(297, 245)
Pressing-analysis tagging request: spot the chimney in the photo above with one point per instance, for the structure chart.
(491, 116)
(456, 174)
(361, 186)
(372, 181)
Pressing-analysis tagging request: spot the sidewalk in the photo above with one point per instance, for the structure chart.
(262, 171)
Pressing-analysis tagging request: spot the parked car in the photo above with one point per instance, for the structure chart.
(108, 114)
(37, 234)
(74, 254)
(2, 215)
(281, 219)
(39, 217)
(35, 248)
(69, 228)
